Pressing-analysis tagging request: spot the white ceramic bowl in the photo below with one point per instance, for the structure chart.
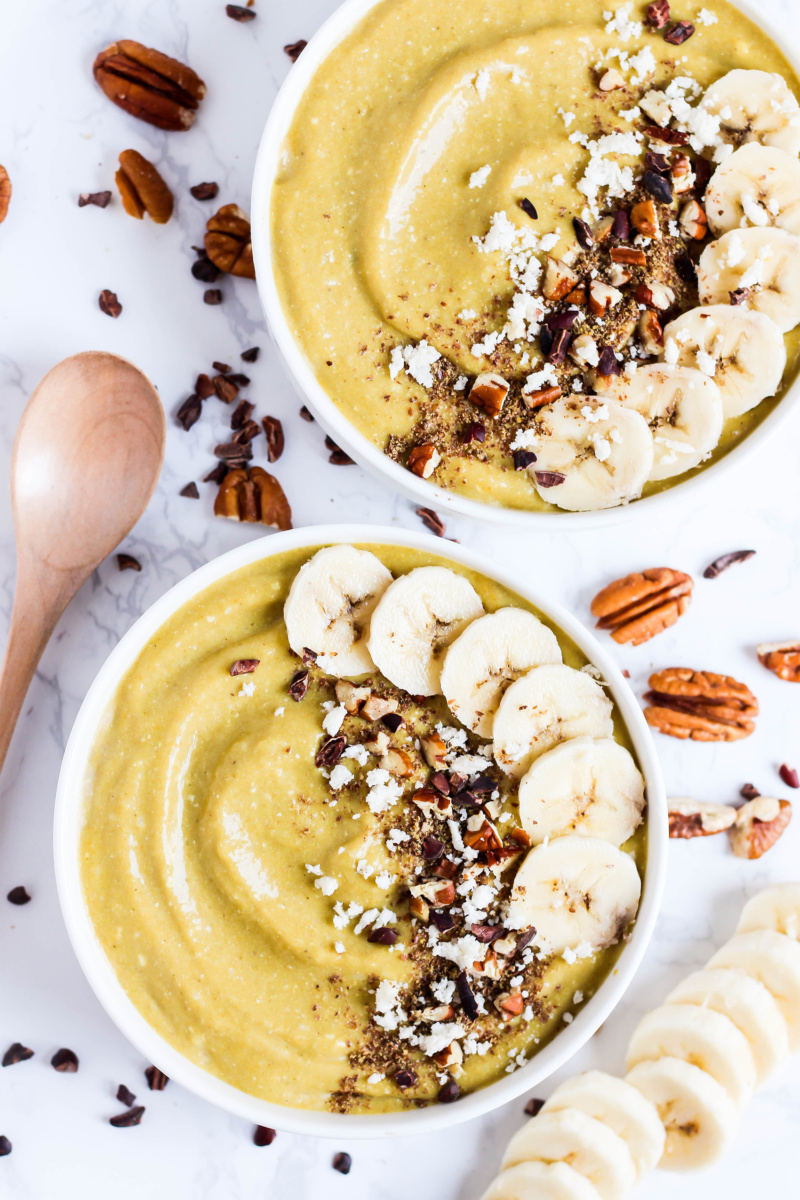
(333, 420)
(100, 973)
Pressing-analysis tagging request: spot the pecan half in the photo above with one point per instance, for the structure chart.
(700, 705)
(142, 189)
(782, 658)
(643, 604)
(698, 818)
(253, 495)
(227, 242)
(759, 823)
(149, 85)
(5, 193)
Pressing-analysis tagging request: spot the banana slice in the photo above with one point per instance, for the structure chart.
(776, 908)
(541, 1181)
(619, 1106)
(579, 893)
(774, 960)
(756, 185)
(742, 351)
(329, 606)
(700, 1036)
(489, 655)
(756, 106)
(683, 409)
(416, 619)
(588, 786)
(748, 1004)
(699, 1116)
(586, 1145)
(767, 261)
(590, 453)
(548, 705)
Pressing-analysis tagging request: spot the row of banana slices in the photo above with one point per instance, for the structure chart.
(581, 795)
(692, 1064)
(718, 360)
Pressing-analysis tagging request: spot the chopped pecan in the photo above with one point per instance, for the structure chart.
(682, 176)
(644, 219)
(759, 823)
(352, 698)
(545, 396)
(651, 335)
(641, 605)
(434, 751)
(418, 908)
(227, 242)
(610, 80)
(700, 705)
(693, 221)
(423, 460)
(698, 818)
(5, 193)
(602, 297)
(377, 707)
(489, 393)
(142, 189)
(558, 280)
(253, 495)
(433, 804)
(782, 658)
(630, 255)
(397, 762)
(451, 1056)
(509, 1004)
(149, 85)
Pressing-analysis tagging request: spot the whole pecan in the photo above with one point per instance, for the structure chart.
(253, 495)
(5, 193)
(698, 818)
(149, 85)
(700, 705)
(227, 242)
(782, 658)
(759, 823)
(643, 604)
(142, 189)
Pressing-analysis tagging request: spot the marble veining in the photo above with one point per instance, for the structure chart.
(58, 137)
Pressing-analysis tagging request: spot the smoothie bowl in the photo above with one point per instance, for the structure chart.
(354, 834)
(536, 258)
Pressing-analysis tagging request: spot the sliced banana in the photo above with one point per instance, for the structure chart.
(776, 908)
(742, 351)
(579, 893)
(756, 185)
(548, 705)
(586, 1145)
(541, 1181)
(416, 619)
(603, 451)
(699, 1116)
(619, 1106)
(329, 606)
(756, 106)
(489, 655)
(683, 409)
(748, 1004)
(588, 786)
(774, 960)
(700, 1036)
(767, 261)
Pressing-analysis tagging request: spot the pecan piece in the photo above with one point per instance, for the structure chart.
(759, 823)
(227, 242)
(641, 605)
(142, 189)
(253, 495)
(782, 658)
(489, 393)
(698, 818)
(275, 439)
(423, 460)
(5, 193)
(149, 85)
(559, 279)
(700, 705)
(644, 219)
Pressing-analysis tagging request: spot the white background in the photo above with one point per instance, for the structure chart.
(58, 137)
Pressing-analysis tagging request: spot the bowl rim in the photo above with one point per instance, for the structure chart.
(97, 967)
(337, 425)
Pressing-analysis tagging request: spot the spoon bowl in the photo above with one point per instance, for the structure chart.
(86, 460)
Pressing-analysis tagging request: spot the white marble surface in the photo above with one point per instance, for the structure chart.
(58, 137)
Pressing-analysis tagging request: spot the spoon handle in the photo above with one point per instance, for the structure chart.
(31, 626)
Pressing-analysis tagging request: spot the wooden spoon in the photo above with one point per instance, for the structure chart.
(86, 460)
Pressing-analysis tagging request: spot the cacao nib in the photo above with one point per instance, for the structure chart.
(659, 186)
(534, 1107)
(442, 920)
(726, 560)
(680, 32)
(583, 233)
(263, 1135)
(548, 479)
(523, 459)
(621, 228)
(789, 776)
(449, 1092)
(528, 208)
(299, 685)
(330, 752)
(432, 849)
(382, 936)
(607, 362)
(466, 996)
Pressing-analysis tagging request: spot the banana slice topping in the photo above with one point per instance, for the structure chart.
(756, 185)
(756, 106)
(764, 262)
